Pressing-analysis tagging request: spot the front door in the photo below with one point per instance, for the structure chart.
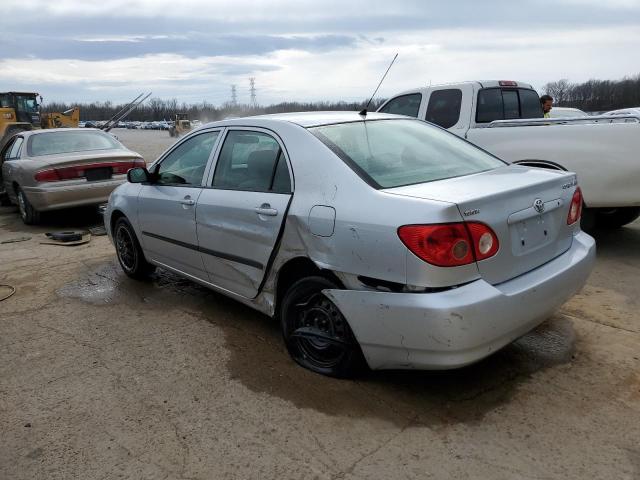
(166, 208)
(240, 216)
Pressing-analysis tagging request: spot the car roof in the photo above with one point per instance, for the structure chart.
(306, 119)
(481, 83)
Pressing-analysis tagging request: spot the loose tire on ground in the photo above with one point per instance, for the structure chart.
(316, 333)
(29, 215)
(618, 217)
(129, 252)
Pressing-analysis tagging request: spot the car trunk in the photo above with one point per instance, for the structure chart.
(504, 200)
(91, 166)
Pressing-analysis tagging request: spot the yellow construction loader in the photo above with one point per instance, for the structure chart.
(21, 111)
(181, 125)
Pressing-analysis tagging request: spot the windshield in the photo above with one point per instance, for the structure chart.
(26, 104)
(393, 153)
(52, 143)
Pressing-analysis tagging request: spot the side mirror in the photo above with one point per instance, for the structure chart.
(138, 175)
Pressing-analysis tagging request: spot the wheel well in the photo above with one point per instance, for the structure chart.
(541, 164)
(296, 269)
(15, 187)
(114, 218)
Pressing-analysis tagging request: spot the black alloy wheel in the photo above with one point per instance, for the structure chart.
(317, 335)
(129, 252)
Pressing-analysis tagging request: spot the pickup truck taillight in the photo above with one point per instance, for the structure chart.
(79, 171)
(450, 244)
(575, 210)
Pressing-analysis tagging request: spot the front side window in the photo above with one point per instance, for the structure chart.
(404, 105)
(185, 164)
(444, 107)
(54, 143)
(252, 161)
(393, 153)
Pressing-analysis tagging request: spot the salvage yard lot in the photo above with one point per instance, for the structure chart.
(104, 377)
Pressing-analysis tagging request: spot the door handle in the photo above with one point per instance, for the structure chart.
(265, 209)
(187, 201)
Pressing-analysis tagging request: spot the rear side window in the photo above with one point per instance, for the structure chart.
(444, 107)
(507, 104)
(252, 161)
(404, 105)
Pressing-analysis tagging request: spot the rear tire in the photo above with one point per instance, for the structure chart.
(316, 333)
(617, 217)
(29, 215)
(129, 252)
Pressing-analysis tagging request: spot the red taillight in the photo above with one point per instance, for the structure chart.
(450, 244)
(507, 83)
(79, 171)
(485, 241)
(575, 209)
(47, 176)
(121, 168)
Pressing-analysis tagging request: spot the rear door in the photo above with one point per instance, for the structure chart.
(240, 215)
(167, 207)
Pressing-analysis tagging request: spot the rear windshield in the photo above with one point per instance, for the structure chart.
(52, 143)
(393, 153)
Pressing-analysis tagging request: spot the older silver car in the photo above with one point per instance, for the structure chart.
(374, 239)
(60, 168)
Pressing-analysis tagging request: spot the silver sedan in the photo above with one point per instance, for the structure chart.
(376, 240)
(60, 168)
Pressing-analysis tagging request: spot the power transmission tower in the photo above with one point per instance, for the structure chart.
(252, 90)
(234, 95)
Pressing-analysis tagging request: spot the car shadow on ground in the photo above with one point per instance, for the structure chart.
(258, 359)
(69, 219)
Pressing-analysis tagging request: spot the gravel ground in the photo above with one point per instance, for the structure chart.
(103, 377)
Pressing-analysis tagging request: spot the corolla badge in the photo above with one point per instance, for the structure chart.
(538, 204)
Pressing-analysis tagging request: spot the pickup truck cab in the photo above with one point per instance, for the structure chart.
(505, 118)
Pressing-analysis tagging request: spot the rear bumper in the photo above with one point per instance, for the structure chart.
(81, 194)
(457, 327)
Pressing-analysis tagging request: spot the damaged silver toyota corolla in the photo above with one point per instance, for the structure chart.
(381, 239)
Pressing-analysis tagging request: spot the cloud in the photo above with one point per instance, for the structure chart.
(305, 50)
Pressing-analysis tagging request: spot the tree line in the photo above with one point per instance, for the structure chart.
(596, 95)
(156, 109)
(592, 96)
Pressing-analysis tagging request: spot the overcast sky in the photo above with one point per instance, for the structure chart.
(305, 50)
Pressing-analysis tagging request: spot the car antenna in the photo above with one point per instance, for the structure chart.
(363, 112)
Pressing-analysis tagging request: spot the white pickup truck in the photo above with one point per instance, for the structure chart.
(505, 118)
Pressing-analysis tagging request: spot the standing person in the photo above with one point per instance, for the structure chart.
(547, 104)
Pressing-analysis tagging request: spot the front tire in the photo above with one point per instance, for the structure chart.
(316, 333)
(29, 215)
(617, 217)
(129, 252)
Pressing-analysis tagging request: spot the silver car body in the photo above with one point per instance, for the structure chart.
(54, 195)
(238, 243)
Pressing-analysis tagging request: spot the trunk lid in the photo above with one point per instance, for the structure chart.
(91, 166)
(505, 199)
